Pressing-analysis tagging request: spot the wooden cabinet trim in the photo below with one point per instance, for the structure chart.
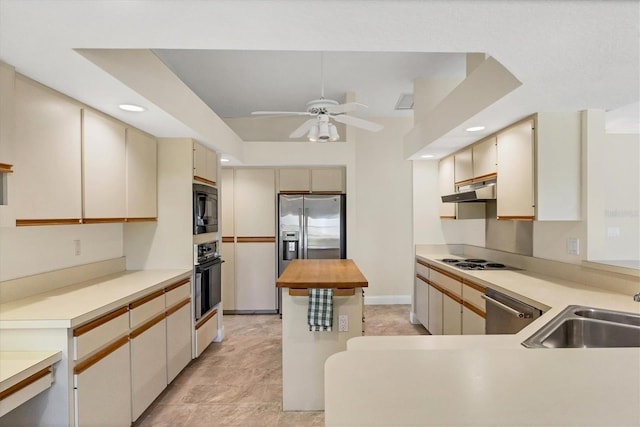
(451, 295)
(473, 285)
(6, 168)
(296, 192)
(435, 286)
(447, 217)
(485, 177)
(205, 319)
(25, 383)
(145, 299)
(256, 239)
(102, 220)
(419, 261)
(475, 309)
(339, 292)
(228, 239)
(96, 357)
(518, 218)
(83, 329)
(141, 329)
(424, 279)
(333, 193)
(141, 219)
(446, 273)
(465, 182)
(204, 180)
(177, 285)
(177, 307)
(37, 222)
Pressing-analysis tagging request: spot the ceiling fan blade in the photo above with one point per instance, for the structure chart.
(281, 113)
(345, 108)
(357, 122)
(303, 129)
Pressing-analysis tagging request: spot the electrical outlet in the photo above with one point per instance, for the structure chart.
(343, 323)
(573, 245)
(76, 244)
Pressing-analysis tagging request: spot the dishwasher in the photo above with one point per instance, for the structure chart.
(507, 315)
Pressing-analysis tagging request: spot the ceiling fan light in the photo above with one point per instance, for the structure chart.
(313, 133)
(333, 133)
(323, 132)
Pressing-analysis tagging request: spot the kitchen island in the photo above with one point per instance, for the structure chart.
(304, 352)
(489, 379)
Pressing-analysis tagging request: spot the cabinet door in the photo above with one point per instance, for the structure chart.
(447, 186)
(255, 203)
(178, 340)
(484, 158)
(205, 164)
(327, 180)
(421, 304)
(47, 182)
(212, 166)
(227, 252)
(7, 112)
(472, 323)
(226, 202)
(452, 316)
(148, 365)
(294, 180)
(103, 391)
(435, 311)
(255, 276)
(463, 165)
(142, 194)
(515, 197)
(104, 156)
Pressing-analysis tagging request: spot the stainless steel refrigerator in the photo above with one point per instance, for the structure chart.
(311, 227)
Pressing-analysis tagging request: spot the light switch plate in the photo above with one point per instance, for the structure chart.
(573, 245)
(343, 323)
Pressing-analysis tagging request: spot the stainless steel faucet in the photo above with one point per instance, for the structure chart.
(636, 297)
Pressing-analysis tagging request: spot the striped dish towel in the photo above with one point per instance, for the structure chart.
(320, 310)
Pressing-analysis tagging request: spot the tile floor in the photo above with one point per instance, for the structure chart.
(238, 382)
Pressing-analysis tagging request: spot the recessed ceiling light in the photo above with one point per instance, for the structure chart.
(224, 160)
(132, 108)
(475, 128)
(427, 156)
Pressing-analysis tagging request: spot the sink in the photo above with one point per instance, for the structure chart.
(588, 327)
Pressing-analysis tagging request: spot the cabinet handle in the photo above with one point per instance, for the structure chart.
(504, 307)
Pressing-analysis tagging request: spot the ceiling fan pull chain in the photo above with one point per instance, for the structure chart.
(321, 75)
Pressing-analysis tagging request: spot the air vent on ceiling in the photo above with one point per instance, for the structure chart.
(405, 102)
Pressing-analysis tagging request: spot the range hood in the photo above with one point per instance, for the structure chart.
(475, 192)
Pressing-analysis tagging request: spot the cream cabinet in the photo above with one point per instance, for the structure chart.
(206, 331)
(104, 176)
(227, 252)
(294, 180)
(7, 114)
(227, 222)
(435, 310)
(255, 284)
(484, 158)
(205, 164)
(446, 183)
(327, 180)
(47, 179)
(421, 302)
(102, 390)
(451, 315)
(254, 203)
(463, 169)
(472, 322)
(178, 339)
(473, 308)
(515, 154)
(141, 175)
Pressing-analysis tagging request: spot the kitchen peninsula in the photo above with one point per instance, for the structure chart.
(303, 352)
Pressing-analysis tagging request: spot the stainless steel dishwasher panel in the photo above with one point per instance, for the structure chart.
(507, 315)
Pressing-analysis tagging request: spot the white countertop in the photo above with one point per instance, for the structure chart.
(16, 366)
(488, 379)
(72, 305)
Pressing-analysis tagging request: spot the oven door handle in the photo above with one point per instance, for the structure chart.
(208, 264)
(505, 307)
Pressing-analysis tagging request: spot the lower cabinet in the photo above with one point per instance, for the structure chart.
(435, 311)
(206, 331)
(421, 303)
(103, 389)
(472, 323)
(148, 364)
(452, 316)
(178, 339)
(255, 287)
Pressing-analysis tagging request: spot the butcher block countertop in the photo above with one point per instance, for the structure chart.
(322, 273)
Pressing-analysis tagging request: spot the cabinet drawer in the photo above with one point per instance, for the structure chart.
(95, 334)
(422, 270)
(446, 281)
(471, 293)
(206, 331)
(177, 292)
(145, 308)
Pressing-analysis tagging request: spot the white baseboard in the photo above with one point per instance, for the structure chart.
(386, 299)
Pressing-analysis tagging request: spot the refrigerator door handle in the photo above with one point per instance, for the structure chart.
(305, 232)
(301, 237)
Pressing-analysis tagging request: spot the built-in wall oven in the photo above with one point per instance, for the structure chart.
(208, 281)
(205, 209)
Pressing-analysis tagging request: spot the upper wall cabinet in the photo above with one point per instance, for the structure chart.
(205, 164)
(515, 147)
(141, 168)
(46, 185)
(447, 186)
(7, 113)
(255, 203)
(226, 202)
(104, 171)
(315, 180)
(463, 169)
(485, 158)
(294, 180)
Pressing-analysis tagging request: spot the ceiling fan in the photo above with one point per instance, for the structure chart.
(323, 110)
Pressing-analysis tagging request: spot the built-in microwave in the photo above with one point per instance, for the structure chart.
(205, 209)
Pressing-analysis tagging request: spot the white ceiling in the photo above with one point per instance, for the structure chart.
(569, 55)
